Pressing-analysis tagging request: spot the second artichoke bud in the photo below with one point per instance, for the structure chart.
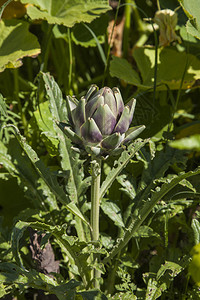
(99, 122)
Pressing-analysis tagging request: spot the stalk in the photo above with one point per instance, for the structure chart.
(127, 27)
(95, 205)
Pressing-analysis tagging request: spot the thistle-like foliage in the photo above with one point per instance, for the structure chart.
(99, 122)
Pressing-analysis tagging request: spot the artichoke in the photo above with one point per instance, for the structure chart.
(99, 122)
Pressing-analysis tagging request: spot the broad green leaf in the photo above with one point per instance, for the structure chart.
(113, 212)
(192, 10)
(140, 215)
(82, 36)
(120, 164)
(122, 69)
(188, 143)
(16, 42)
(66, 12)
(170, 68)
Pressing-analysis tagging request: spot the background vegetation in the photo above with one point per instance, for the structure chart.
(149, 219)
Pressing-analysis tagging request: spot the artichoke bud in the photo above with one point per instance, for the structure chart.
(99, 122)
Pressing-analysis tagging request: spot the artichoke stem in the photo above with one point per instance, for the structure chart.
(95, 205)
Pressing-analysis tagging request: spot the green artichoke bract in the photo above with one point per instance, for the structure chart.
(99, 122)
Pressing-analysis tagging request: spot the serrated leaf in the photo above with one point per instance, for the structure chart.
(145, 232)
(69, 159)
(66, 12)
(44, 122)
(35, 188)
(49, 179)
(155, 169)
(23, 43)
(128, 183)
(12, 274)
(5, 160)
(140, 215)
(69, 243)
(154, 289)
(3, 108)
(173, 267)
(113, 212)
(120, 164)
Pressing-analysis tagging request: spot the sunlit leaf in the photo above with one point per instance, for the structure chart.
(66, 12)
(113, 212)
(16, 42)
(170, 68)
(44, 121)
(192, 10)
(188, 143)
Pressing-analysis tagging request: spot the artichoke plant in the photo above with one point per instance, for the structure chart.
(99, 122)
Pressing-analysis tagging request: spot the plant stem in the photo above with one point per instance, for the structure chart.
(127, 26)
(95, 205)
(70, 60)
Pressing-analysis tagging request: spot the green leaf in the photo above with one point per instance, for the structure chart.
(140, 215)
(91, 295)
(128, 184)
(3, 108)
(34, 187)
(120, 164)
(69, 159)
(122, 69)
(174, 268)
(12, 275)
(154, 289)
(145, 232)
(69, 244)
(188, 143)
(44, 122)
(167, 73)
(81, 35)
(196, 230)
(49, 179)
(113, 212)
(16, 42)
(155, 169)
(192, 10)
(66, 12)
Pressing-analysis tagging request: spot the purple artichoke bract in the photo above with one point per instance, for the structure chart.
(99, 122)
